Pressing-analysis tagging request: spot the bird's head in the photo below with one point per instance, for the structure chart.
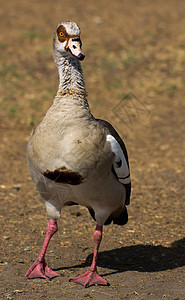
(67, 40)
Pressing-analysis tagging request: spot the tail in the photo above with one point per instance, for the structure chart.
(120, 217)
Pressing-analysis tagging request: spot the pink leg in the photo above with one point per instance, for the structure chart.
(91, 277)
(40, 268)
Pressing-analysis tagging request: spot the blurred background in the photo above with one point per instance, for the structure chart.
(134, 72)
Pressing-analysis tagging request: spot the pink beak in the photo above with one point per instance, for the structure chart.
(74, 47)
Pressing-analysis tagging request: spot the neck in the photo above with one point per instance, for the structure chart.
(70, 75)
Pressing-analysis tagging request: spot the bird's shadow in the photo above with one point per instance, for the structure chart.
(142, 258)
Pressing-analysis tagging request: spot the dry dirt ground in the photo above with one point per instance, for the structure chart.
(134, 70)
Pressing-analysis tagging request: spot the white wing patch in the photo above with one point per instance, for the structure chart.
(119, 163)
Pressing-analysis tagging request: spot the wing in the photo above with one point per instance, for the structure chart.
(121, 163)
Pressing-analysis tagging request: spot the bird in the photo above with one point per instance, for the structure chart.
(77, 159)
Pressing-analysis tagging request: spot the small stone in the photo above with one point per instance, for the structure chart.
(2, 186)
(4, 263)
(27, 248)
(18, 291)
(5, 237)
(17, 187)
(135, 293)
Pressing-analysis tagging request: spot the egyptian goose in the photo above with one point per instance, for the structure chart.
(74, 158)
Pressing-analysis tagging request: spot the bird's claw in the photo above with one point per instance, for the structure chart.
(40, 270)
(90, 278)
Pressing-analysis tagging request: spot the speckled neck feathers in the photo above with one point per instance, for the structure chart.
(70, 74)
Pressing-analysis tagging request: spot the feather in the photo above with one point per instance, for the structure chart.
(119, 164)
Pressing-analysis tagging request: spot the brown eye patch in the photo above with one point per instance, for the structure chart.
(62, 34)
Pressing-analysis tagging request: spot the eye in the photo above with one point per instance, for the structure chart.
(61, 33)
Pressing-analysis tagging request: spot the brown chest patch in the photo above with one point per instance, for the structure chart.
(64, 175)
